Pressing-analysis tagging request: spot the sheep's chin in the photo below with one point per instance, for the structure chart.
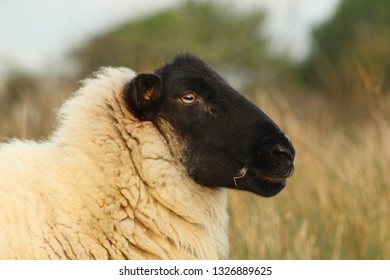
(269, 185)
(259, 183)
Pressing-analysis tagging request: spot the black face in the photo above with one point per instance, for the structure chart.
(226, 140)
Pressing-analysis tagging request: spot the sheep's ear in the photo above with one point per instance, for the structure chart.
(143, 93)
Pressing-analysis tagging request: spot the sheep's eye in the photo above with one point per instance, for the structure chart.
(189, 98)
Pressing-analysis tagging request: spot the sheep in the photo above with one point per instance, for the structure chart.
(138, 168)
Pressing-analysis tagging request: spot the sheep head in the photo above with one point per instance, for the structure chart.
(221, 138)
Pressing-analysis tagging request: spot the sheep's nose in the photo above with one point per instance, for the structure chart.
(286, 152)
(285, 148)
(275, 156)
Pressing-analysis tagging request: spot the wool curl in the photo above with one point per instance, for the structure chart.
(105, 186)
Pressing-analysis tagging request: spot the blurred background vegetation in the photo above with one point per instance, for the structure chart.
(231, 41)
(334, 104)
(350, 58)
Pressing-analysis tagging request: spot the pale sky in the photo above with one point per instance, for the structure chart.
(34, 33)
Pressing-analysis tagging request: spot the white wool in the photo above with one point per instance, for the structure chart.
(105, 186)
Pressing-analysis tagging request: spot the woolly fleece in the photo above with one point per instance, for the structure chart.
(105, 186)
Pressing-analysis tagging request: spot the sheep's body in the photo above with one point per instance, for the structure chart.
(105, 186)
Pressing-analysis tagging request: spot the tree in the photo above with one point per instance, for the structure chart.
(229, 40)
(350, 57)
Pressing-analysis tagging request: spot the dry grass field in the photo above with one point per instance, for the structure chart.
(336, 206)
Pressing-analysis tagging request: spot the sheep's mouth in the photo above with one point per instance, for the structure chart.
(275, 176)
(261, 183)
(270, 179)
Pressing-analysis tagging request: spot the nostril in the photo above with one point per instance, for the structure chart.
(285, 152)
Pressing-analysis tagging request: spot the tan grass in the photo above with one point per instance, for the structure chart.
(34, 115)
(336, 206)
